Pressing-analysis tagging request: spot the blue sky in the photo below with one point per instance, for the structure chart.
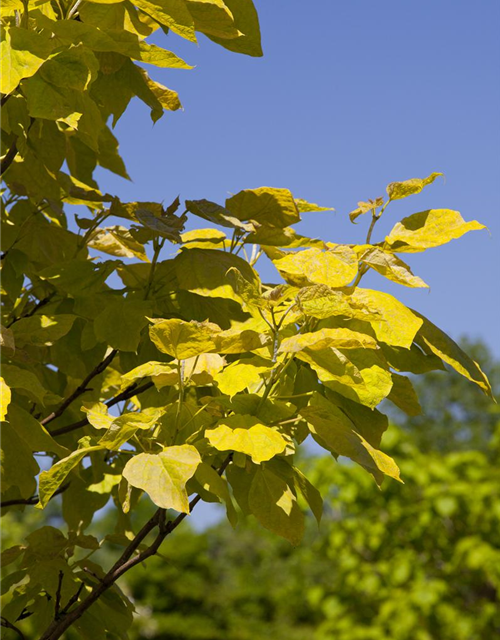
(348, 97)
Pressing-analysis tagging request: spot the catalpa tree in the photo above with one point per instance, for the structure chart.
(182, 379)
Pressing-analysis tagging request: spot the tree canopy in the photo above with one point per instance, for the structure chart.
(181, 378)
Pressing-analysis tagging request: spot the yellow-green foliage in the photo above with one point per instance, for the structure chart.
(212, 366)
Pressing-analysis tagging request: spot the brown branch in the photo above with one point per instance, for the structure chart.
(33, 499)
(39, 305)
(8, 158)
(126, 561)
(58, 595)
(129, 392)
(80, 389)
(4, 99)
(73, 599)
(8, 625)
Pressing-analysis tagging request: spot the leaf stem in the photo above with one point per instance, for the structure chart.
(364, 268)
(158, 246)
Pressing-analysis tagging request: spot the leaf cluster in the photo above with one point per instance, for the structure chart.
(185, 378)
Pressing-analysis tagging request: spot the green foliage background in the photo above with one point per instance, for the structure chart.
(185, 378)
(415, 562)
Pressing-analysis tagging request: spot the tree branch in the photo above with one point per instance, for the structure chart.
(8, 625)
(129, 392)
(126, 561)
(58, 595)
(8, 158)
(80, 389)
(33, 499)
(39, 305)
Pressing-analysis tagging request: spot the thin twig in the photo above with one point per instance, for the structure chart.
(73, 599)
(38, 306)
(33, 499)
(364, 268)
(129, 392)
(80, 389)
(8, 625)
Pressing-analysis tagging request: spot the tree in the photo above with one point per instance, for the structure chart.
(419, 561)
(194, 378)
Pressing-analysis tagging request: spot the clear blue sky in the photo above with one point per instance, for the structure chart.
(348, 97)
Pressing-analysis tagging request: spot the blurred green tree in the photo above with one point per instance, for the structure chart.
(454, 416)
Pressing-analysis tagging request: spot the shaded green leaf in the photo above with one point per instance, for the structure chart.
(121, 323)
(273, 207)
(432, 339)
(50, 481)
(333, 429)
(275, 506)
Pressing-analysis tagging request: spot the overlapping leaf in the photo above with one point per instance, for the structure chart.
(335, 267)
(247, 435)
(398, 190)
(428, 229)
(334, 430)
(163, 476)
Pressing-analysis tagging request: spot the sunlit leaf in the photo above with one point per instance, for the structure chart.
(324, 338)
(320, 301)
(181, 339)
(335, 267)
(117, 241)
(398, 190)
(122, 428)
(428, 229)
(246, 434)
(23, 52)
(306, 207)
(390, 266)
(173, 14)
(163, 476)
(213, 17)
(398, 324)
(241, 374)
(5, 397)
